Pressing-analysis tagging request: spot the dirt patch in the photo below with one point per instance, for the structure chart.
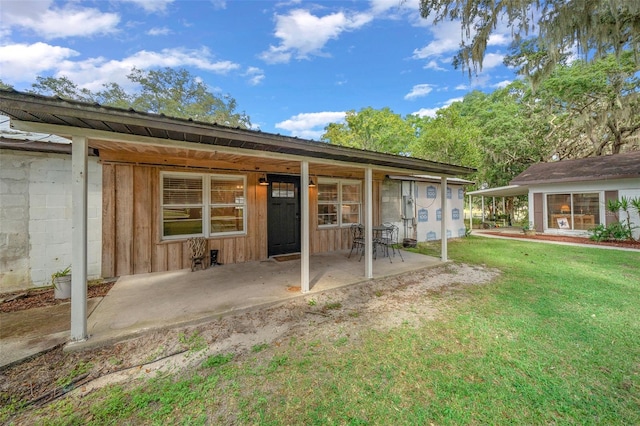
(567, 239)
(21, 300)
(378, 304)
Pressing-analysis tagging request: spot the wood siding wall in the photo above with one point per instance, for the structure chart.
(538, 212)
(131, 235)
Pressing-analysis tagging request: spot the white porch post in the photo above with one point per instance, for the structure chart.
(494, 209)
(482, 209)
(304, 227)
(79, 153)
(470, 212)
(443, 223)
(368, 223)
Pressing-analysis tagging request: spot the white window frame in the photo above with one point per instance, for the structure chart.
(340, 183)
(206, 204)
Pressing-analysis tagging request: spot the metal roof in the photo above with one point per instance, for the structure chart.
(63, 117)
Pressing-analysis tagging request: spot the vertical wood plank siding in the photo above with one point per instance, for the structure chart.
(131, 229)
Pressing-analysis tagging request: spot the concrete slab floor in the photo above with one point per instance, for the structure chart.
(140, 303)
(27, 333)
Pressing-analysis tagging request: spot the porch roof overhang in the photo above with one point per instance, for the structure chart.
(502, 191)
(114, 129)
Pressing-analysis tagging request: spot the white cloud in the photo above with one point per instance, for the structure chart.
(219, 4)
(256, 75)
(49, 22)
(151, 5)
(310, 125)
(502, 84)
(433, 65)
(492, 60)
(302, 34)
(159, 31)
(431, 112)
(18, 64)
(499, 39)
(481, 80)
(447, 37)
(24, 62)
(419, 90)
(446, 41)
(394, 8)
(426, 112)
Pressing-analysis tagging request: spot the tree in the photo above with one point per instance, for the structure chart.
(597, 27)
(4, 86)
(64, 88)
(174, 93)
(449, 137)
(510, 132)
(594, 108)
(373, 130)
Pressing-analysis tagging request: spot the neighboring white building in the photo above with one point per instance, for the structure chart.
(35, 213)
(413, 204)
(570, 197)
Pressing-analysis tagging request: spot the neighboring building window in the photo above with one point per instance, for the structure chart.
(574, 211)
(185, 197)
(339, 202)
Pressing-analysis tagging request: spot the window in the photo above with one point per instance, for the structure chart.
(182, 205)
(202, 204)
(227, 204)
(576, 211)
(339, 202)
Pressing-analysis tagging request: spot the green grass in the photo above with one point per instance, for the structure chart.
(555, 340)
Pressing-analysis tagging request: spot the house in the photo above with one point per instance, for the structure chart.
(570, 197)
(413, 204)
(35, 207)
(251, 194)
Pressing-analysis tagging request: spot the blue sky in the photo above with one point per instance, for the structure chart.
(292, 66)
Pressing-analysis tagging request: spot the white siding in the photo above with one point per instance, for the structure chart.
(634, 217)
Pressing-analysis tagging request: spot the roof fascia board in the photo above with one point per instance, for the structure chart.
(502, 191)
(152, 141)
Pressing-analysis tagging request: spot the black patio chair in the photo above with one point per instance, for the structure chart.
(357, 239)
(389, 240)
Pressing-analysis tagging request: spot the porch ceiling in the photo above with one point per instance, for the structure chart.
(72, 118)
(179, 157)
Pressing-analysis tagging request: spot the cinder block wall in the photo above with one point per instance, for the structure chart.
(36, 240)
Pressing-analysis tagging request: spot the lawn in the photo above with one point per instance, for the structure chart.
(555, 340)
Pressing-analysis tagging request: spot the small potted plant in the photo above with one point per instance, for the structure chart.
(61, 281)
(528, 229)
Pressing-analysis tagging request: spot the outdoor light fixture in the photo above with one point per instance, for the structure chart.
(312, 184)
(263, 181)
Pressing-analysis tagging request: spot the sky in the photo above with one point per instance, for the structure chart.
(292, 66)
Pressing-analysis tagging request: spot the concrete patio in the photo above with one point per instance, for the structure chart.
(140, 303)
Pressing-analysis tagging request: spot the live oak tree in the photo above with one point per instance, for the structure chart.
(596, 27)
(172, 92)
(449, 137)
(593, 108)
(371, 129)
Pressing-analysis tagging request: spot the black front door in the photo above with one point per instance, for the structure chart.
(283, 214)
